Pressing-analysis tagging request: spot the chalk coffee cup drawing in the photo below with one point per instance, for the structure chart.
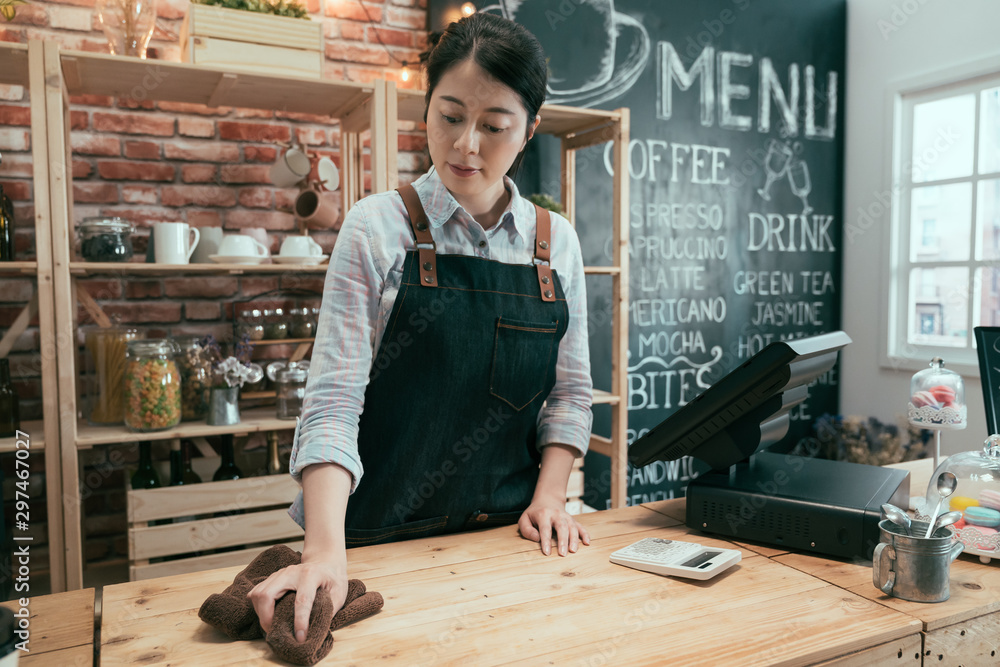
(290, 168)
(317, 209)
(207, 246)
(241, 245)
(174, 242)
(913, 567)
(300, 246)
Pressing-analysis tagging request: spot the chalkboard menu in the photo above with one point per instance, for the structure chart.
(736, 163)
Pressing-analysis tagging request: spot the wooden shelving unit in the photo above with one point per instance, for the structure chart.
(580, 128)
(356, 107)
(23, 65)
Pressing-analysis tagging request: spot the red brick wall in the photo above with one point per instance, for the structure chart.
(151, 162)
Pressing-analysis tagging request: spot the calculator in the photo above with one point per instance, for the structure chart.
(678, 559)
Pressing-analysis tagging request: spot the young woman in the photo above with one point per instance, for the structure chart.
(450, 384)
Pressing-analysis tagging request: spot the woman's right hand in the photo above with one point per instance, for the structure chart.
(321, 572)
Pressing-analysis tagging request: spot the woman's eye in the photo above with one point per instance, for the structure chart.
(449, 119)
(494, 130)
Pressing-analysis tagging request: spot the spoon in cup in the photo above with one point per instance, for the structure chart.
(946, 483)
(946, 519)
(898, 517)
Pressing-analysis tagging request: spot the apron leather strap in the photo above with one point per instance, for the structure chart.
(543, 238)
(426, 248)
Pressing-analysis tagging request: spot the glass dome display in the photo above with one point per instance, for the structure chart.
(977, 496)
(937, 398)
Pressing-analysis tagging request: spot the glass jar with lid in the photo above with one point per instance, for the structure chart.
(106, 239)
(937, 398)
(300, 324)
(152, 386)
(106, 365)
(251, 324)
(976, 495)
(275, 325)
(290, 388)
(196, 377)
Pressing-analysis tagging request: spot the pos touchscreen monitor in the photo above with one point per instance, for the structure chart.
(745, 411)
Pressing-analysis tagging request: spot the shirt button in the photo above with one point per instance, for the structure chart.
(482, 244)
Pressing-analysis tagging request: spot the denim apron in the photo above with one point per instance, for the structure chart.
(468, 357)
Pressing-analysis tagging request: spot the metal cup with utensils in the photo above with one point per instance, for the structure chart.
(912, 567)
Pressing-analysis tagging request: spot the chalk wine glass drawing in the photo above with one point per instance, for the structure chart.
(781, 161)
(604, 59)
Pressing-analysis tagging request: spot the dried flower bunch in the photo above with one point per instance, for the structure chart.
(867, 440)
(8, 8)
(234, 370)
(278, 8)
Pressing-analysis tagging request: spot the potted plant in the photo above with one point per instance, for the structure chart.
(255, 35)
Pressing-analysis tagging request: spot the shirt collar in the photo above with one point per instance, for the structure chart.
(440, 205)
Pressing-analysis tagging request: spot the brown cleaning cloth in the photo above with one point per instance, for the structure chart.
(232, 612)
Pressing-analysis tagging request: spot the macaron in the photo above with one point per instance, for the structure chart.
(982, 516)
(990, 498)
(943, 393)
(961, 502)
(925, 399)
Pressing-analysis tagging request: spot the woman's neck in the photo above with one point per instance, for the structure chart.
(486, 207)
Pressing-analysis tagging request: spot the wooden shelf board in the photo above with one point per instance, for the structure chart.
(15, 64)
(605, 398)
(34, 429)
(283, 341)
(602, 270)
(139, 268)
(600, 445)
(254, 420)
(161, 80)
(7, 268)
(556, 119)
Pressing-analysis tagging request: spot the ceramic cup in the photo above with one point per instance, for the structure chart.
(211, 237)
(241, 245)
(300, 246)
(174, 242)
(325, 171)
(553, 22)
(290, 168)
(318, 210)
(258, 233)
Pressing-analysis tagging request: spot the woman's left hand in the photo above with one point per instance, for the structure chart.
(545, 516)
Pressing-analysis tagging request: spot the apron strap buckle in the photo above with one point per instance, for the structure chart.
(426, 248)
(543, 252)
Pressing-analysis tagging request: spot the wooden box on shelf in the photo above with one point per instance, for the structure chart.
(260, 43)
(191, 521)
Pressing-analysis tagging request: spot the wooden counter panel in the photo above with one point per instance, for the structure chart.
(972, 642)
(77, 656)
(59, 621)
(903, 652)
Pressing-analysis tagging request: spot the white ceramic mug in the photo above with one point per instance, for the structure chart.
(174, 242)
(300, 246)
(290, 168)
(207, 246)
(241, 245)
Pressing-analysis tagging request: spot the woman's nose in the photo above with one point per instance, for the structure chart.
(468, 141)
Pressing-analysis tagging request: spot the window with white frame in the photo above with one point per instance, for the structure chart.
(946, 232)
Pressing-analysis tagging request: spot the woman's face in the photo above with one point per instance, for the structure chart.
(475, 128)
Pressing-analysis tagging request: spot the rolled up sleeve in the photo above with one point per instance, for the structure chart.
(567, 417)
(327, 429)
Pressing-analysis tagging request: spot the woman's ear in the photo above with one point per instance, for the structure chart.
(531, 130)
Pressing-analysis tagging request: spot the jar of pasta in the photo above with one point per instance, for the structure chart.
(152, 386)
(106, 368)
(196, 377)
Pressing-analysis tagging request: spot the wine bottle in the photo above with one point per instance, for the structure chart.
(187, 473)
(145, 477)
(6, 227)
(228, 469)
(274, 466)
(10, 419)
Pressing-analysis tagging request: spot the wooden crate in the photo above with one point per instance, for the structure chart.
(259, 43)
(190, 521)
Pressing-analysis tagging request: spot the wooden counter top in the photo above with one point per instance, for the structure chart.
(492, 598)
(61, 629)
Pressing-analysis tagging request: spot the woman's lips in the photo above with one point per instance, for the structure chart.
(464, 172)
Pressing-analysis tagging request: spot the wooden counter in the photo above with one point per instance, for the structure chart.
(492, 598)
(61, 629)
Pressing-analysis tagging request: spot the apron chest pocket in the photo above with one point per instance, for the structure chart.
(521, 358)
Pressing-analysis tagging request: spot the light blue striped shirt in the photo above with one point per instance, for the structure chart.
(360, 289)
